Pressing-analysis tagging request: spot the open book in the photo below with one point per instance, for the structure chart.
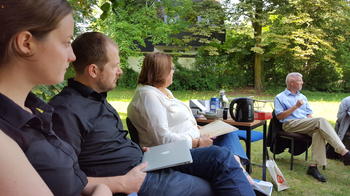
(217, 128)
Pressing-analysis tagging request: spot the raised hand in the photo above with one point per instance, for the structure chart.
(299, 103)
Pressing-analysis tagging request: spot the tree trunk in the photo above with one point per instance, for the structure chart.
(258, 66)
(258, 70)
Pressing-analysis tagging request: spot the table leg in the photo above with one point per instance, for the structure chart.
(264, 153)
(249, 139)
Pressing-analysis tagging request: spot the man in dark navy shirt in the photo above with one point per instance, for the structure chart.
(94, 129)
(86, 120)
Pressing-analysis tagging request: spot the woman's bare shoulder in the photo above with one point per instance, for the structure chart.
(18, 177)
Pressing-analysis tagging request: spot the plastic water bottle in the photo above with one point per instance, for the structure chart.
(214, 104)
(223, 99)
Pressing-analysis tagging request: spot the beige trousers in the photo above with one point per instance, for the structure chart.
(321, 132)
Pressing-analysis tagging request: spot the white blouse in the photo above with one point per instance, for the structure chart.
(160, 119)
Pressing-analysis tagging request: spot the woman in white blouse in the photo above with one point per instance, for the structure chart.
(161, 118)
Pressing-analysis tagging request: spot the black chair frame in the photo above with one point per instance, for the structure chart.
(278, 138)
(132, 131)
(292, 145)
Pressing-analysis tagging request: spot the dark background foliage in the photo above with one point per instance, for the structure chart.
(310, 37)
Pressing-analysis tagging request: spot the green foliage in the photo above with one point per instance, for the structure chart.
(127, 26)
(232, 68)
(312, 43)
(131, 23)
(185, 79)
(297, 35)
(128, 79)
(322, 77)
(47, 92)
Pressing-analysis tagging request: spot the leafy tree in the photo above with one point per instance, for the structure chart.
(306, 36)
(295, 35)
(177, 23)
(255, 13)
(265, 39)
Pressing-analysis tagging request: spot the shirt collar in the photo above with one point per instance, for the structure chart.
(288, 92)
(17, 116)
(86, 91)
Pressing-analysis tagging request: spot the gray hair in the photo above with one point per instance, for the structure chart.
(292, 75)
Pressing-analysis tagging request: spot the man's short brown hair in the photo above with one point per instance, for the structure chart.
(90, 48)
(155, 69)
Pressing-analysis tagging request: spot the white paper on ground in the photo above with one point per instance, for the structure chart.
(278, 179)
(263, 187)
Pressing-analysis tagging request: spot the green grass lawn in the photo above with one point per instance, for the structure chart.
(323, 104)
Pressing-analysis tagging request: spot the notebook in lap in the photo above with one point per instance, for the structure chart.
(167, 155)
(217, 128)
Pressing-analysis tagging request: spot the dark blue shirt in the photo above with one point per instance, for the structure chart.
(93, 127)
(52, 158)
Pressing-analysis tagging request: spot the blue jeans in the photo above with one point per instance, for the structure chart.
(231, 142)
(214, 171)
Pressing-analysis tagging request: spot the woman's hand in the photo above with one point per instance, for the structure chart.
(205, 141)
(145, 149)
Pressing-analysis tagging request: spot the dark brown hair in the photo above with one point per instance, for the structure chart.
(90, 48)
(39, 17)
(155, 69)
